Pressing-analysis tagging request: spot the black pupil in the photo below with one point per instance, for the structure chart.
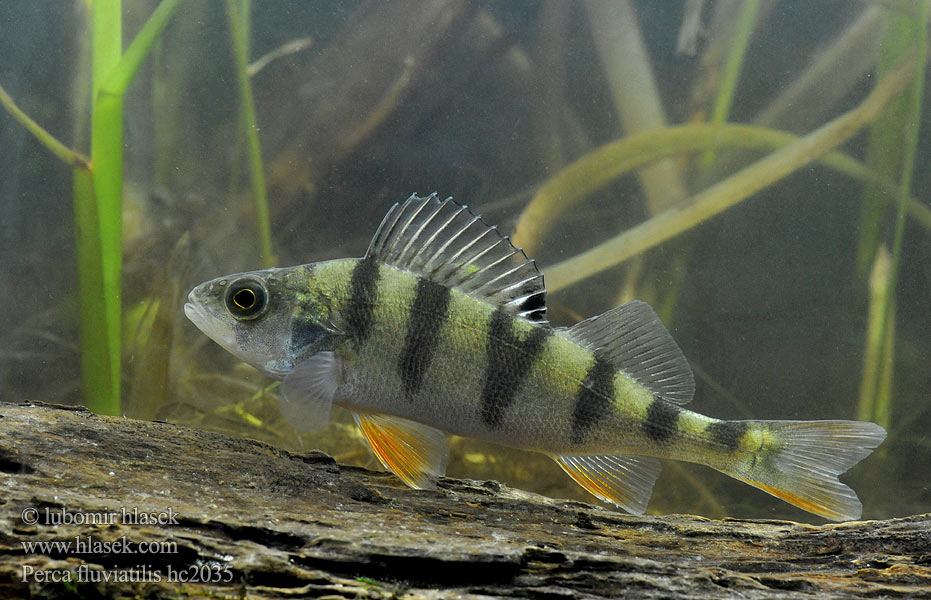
(244, 299)
(247, 300)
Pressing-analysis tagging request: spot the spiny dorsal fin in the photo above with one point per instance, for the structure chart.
(633, 339)
(447, 244)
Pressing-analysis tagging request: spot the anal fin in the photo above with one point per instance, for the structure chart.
(626, 481)
(416, 453)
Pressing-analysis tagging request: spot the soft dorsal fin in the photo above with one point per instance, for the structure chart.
(633, 339)
(445, 243)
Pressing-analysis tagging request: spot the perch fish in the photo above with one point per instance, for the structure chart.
(441, 329)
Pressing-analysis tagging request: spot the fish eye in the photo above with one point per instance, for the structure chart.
(246, 299)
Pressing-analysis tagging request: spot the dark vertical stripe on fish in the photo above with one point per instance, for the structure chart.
(594, 400)
(509, 362)
(726, 433)
(363, 288)
(661, 422)
(427, 315)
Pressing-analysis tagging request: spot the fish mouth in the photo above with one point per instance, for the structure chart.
(216, 329)
(191, 312)
(198, 316)
(194, 308)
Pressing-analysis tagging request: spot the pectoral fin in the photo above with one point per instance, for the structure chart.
(626, 481)
(414, 452)
(307, 393)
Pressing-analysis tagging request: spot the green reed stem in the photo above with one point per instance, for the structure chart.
(627, 69)
(874, 402)
(107, 153)
(64, 153)
(96, 367)
(245, 15)
(118, 79)
(885, 148)
(112, 73)
(911, 141)
(732, 190)
(735, 59)
(102, 224)
(238, 15)
(876, 384)
(97, 187)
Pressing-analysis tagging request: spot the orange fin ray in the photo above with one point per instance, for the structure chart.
(416, 453)
(626, 481)
(802, 465)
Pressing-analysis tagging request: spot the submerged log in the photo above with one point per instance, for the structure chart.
(138, 507)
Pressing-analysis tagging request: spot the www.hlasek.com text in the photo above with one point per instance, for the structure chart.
(86, 544)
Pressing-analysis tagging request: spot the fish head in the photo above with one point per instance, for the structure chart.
(270, 319)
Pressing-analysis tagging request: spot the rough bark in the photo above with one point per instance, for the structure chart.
(280, 525)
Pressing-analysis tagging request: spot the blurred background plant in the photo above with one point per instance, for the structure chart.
(97, 191)
(754, 169)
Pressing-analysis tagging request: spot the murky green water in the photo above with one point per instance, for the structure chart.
(489, 102)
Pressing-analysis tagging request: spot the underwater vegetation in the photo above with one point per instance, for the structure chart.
(757, 171)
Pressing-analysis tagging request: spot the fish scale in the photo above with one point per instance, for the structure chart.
(441, 329)
(451, 397)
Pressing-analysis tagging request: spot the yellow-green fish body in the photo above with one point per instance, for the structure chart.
(441, 328)
(471, 369)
